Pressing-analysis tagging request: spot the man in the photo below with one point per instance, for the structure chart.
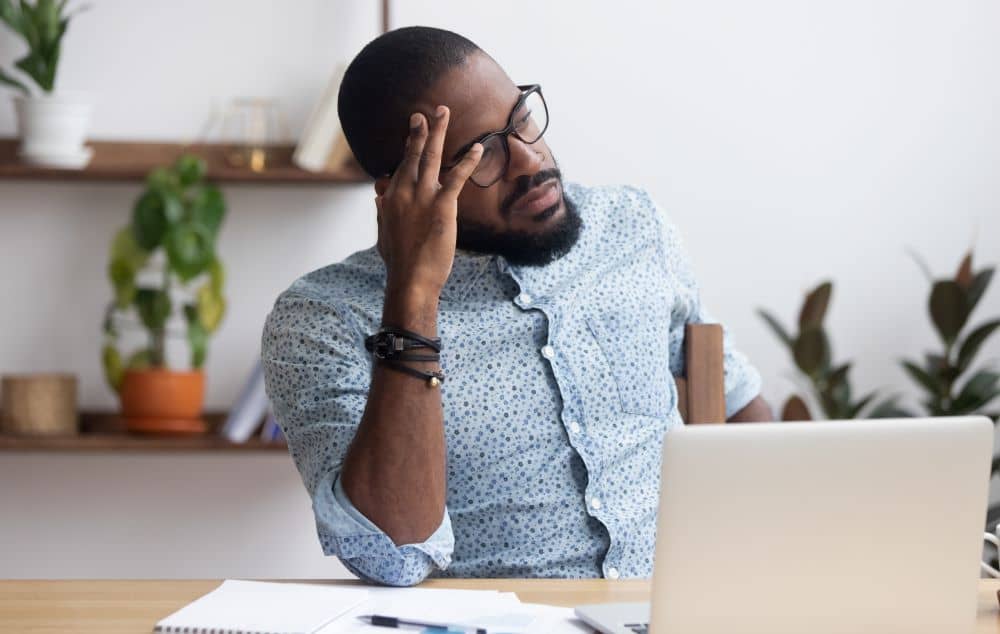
(560, 310)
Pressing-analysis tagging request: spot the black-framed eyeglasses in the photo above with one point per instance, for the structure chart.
(527, 122)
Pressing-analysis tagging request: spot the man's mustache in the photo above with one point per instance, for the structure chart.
(524, 184)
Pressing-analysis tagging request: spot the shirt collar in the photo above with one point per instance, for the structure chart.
(465, 269)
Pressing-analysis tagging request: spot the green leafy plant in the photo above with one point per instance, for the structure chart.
(950, 305)
(178, 215)
(811, 351)
(42, 24)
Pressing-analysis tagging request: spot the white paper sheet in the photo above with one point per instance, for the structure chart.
(259, 606)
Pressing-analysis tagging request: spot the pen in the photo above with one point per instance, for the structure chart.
(391, 621)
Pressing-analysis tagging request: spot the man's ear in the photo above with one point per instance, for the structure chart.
(381, 184)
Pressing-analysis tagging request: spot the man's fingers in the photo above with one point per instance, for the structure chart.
(430, 162)
(409, 169)
(455, 179)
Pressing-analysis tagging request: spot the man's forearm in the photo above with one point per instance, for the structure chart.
(394, 471)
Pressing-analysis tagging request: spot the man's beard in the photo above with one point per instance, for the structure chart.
(522, 248)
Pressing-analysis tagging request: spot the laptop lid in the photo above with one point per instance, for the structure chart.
(821, 527)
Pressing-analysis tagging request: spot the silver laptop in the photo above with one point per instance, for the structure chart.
(837, 527)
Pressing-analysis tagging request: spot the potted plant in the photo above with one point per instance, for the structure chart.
(52, 127)
(163, 265)
(828, 384)
(951, 303)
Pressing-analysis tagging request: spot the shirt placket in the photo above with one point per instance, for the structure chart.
(571, 414)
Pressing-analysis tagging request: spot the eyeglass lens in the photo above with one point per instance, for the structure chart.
(529, 122)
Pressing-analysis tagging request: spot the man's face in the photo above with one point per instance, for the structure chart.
(524, 215)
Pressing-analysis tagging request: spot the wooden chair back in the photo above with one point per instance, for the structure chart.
(701, 392)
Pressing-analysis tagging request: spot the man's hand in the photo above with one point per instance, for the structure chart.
(417, 215)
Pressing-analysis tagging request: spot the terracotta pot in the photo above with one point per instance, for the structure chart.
(160, 401)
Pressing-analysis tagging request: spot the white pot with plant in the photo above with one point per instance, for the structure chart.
(52, 126)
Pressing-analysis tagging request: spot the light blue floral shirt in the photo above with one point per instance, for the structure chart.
(559, 390)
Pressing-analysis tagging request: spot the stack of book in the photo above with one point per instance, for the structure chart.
(251, 412)
(322, 146)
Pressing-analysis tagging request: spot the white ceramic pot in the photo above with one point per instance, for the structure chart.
(53, 129)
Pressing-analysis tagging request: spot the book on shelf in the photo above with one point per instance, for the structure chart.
(270, 431)
(249, 409)
(322, 146)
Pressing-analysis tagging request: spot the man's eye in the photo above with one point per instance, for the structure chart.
(523, 121)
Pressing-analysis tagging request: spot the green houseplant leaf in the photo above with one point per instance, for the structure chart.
(208, 208)
(197, 336)
(889, 409)
(123, 280)
(140, 359)
(112, 362)
(980, 282)
(189, 248)
(974, 341)
(151, 217)
(154, 307)
(949, 309)
(814, 309)
(776, 327)
(922, 377)
(977, 391)
(13, 82)
(190, 169)
(217, 273)
(163, 179)
(856, 408)
(125, 248)
(210, 307)
(126, 260)
(812, 351)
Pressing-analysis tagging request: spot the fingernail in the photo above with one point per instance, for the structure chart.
(414, 120)
(440, 111)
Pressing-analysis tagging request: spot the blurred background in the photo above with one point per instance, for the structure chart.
(791, 142)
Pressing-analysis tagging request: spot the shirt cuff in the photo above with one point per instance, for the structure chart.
(366, 550)
(740, 395)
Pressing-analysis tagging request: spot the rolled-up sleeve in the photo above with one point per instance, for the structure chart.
(742, 380)
(317, 375)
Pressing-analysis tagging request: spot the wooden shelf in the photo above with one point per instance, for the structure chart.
(129, 442)
(102, 431)
(131, 161)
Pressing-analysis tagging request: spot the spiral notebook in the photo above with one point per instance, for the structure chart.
(258, 607)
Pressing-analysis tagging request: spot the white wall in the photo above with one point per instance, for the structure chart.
(120, 515)
(791, 141)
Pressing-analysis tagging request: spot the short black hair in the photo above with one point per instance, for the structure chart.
(383, 82)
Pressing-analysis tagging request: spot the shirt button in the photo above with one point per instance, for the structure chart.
(524, 298)
(595, 503)
(548, 352)
(574, 427)
(613, 573)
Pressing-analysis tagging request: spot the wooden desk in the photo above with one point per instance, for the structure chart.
(133, 607)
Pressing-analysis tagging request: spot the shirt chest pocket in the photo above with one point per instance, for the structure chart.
(633, 335)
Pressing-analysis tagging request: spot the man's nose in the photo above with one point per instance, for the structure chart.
(525, 160)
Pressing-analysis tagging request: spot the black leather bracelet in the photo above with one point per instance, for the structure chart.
(419, 339)
(389, 342)
(415, 357)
